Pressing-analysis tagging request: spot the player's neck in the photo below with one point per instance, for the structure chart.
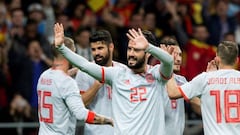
(140, 70)
(109, 63)
(60, 65)
(226, 67)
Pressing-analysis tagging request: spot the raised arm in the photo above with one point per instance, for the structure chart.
(166, 67)
(77, 60)
(141, 42)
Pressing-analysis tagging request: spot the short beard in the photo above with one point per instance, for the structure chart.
(139, 64)
(104, 61)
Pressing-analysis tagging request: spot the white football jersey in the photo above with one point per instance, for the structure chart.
(137, 101)
(220, 100)
(59, 104)
(102, 103)
(174, 111)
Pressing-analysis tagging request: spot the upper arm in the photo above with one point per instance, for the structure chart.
(109, 74)
(195, 87)
(74, 101)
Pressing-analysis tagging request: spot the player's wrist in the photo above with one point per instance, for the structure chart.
(59, 45)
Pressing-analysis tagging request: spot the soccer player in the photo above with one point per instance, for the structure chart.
(219, 91)
(174, 109)
(98, 96)
(59, 101)
(137, 91)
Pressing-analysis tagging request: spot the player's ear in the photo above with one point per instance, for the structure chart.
(111, 46)
(147, 55)
(237, 60)
(217, 60)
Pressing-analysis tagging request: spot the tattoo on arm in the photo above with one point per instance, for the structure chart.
(102, 120)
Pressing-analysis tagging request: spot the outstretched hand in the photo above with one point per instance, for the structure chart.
(58, 34)
(138, 38)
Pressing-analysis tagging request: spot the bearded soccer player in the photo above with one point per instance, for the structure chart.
(98, 96)
(137, 96)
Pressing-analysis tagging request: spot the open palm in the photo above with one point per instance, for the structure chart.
(138, 38)
(58, 34)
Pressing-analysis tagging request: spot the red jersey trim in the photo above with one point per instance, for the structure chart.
(166, 78)
(184, 96)
(82, 92)
(103, 77)
(90, 117)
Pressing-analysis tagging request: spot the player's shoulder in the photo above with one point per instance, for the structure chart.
(118, 64)
(179, 77)
(60, 75)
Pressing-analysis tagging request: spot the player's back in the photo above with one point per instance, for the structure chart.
(220, 103)
(54, 115)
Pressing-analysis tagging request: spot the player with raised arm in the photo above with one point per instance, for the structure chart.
(98, 96)
(137, 91)
(174, 109)
(59, 101)
(219, 91)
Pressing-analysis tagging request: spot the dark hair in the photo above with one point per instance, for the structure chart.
(101, 35)
(170, 41)
(150, 37)
(228, 52)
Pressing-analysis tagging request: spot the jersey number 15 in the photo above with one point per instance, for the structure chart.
(43, 105)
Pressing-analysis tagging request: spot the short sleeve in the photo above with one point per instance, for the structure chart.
(195, 87)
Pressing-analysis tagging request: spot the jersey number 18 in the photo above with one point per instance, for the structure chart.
(229, 105)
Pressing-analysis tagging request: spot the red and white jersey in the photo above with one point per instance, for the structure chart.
(174, 111)
(220, 100)
(137, 101)
(59, 104)
(102, 103)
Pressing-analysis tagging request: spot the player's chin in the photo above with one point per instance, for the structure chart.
(131, 63)
(176, 68)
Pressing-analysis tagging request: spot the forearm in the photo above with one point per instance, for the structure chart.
(172, 89)
(90, 94)
(81, 63)
(164, 57)
(196, 105)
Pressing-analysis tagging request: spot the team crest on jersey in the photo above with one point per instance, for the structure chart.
(127, 82)
(149, 78)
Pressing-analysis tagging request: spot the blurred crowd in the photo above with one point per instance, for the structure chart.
(26, 35)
